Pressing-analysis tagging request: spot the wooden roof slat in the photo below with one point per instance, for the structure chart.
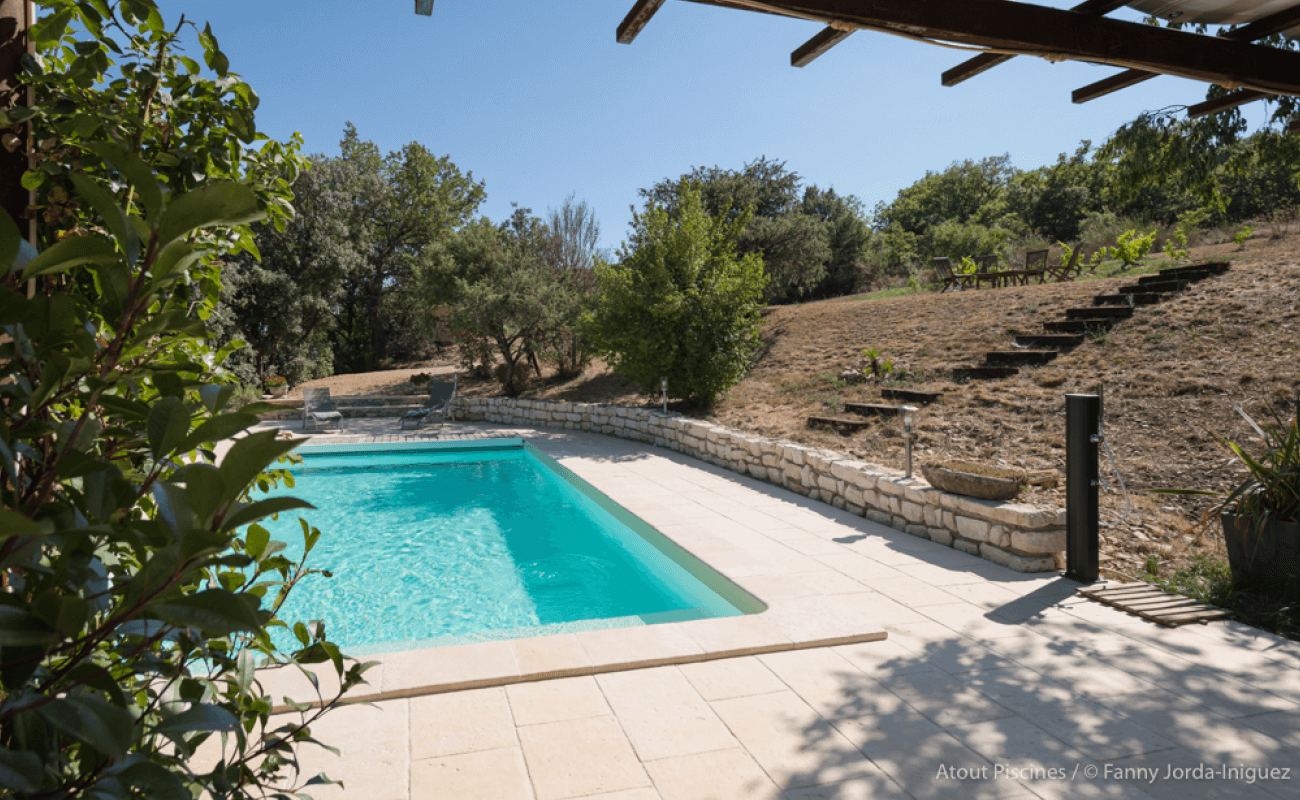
(636, 19)
(985, 61)
(1053, 33)
(827, 38)
(1259, 29)
(1230, 100)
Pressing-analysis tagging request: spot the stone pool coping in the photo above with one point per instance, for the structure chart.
(801, 612)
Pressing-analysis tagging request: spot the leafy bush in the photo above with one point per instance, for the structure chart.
(680, 303)
(957, 241)
(140, 591)
(1242, 235)
(1130, 248)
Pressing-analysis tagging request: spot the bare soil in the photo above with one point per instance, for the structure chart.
(1168, 375)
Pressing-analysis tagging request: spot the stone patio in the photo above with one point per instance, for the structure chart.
(991, 683)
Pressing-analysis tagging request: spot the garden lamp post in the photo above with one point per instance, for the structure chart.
(908, 411)
(663, 390)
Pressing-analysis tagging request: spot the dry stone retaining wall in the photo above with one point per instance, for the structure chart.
(1022, 537)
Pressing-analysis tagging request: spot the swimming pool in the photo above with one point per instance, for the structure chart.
(433, 543)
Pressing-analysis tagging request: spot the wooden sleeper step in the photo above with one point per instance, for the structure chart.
(910, 395)
(1019, 358)
(1093, 312)
(1080, 325)
(1127, 298)
(869, 409)
(841, 423)
(1155, 604)
(1042, 341)
(963, 374)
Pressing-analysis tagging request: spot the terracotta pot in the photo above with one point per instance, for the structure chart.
(1269, 552)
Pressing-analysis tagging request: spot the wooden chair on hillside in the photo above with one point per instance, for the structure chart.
(986, 269)
(1035, 266)
(943, 268)
(1070, 271)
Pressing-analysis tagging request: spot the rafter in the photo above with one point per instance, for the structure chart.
(1259, 29)
(636, 19)
(985, 61)
(1230, 100)
(1027, 29)
(827, 38)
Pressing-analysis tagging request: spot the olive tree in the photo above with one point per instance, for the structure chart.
(139, 591)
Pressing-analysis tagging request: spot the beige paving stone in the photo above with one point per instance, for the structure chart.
(579, 757)
(560, 699)
(735, 634)
(649, 645)
(881, 660)
(859, 567)
(974, 621)
(830, 684)
(483, 775)
(810, 544)
(1014, 742)
(944, 699)
(626, 794)
(717, 775)
(943, 576)
(923, 757)
(662, 713)
(989, 595)
(829, 581)
(373, 751)
(945, 649)
(785, 559)
(823, 618)
(794, 745)
(731, 677)
(550, 656)
(281, 682)
(461, 722)
(1283, 726)
(911, 592)
(1212, 687)
(772, 587)
(462, 664)
(875, 787)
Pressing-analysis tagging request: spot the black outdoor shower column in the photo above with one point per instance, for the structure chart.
(1082, 435)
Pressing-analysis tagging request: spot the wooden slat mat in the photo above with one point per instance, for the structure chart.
(1153, 603)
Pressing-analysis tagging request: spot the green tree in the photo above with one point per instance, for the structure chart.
(507, 300)
(139, 590)
(397, 206)
(680, 303)
(848, 237)
(968, 191)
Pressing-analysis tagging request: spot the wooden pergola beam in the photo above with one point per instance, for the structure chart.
(1230, 100)
(985, 61)
(636, 19)
(827, 38)
(1028, 29)
(1259, 29)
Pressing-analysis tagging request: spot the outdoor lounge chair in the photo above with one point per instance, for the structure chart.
(1070, 271)
(943, 268)
(319, 409)
(441, 393)
(986, 269)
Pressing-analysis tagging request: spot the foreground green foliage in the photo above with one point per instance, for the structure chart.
(139, 592)
(680, 303)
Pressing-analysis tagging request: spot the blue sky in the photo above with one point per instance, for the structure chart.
(538, 100)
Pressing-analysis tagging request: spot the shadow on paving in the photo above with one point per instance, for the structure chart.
(1035, 713)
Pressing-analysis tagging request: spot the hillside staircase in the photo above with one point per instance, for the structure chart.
(1106, 310)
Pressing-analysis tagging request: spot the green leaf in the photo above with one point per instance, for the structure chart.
(163, 783)
(215, 396)
(250, 455)
(169, 421)
(260, 510)
(199, 717)
(10, 237)
(135, 171)
(124, 407)
(114, 217)
(19, 627)
(48, 31)
(217, 429)
(100, 724)
(173, 261)
(70, 252)
(216, 612)
(20, 770)
(256, 541)
(205, 489)
(14, 524)
(222, 203)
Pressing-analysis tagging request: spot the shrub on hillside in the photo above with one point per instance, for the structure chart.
(680, 303)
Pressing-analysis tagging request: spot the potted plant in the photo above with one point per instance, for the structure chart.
(1261, 515)
(276, 385)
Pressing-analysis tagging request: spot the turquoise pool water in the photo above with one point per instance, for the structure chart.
(445, 543)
